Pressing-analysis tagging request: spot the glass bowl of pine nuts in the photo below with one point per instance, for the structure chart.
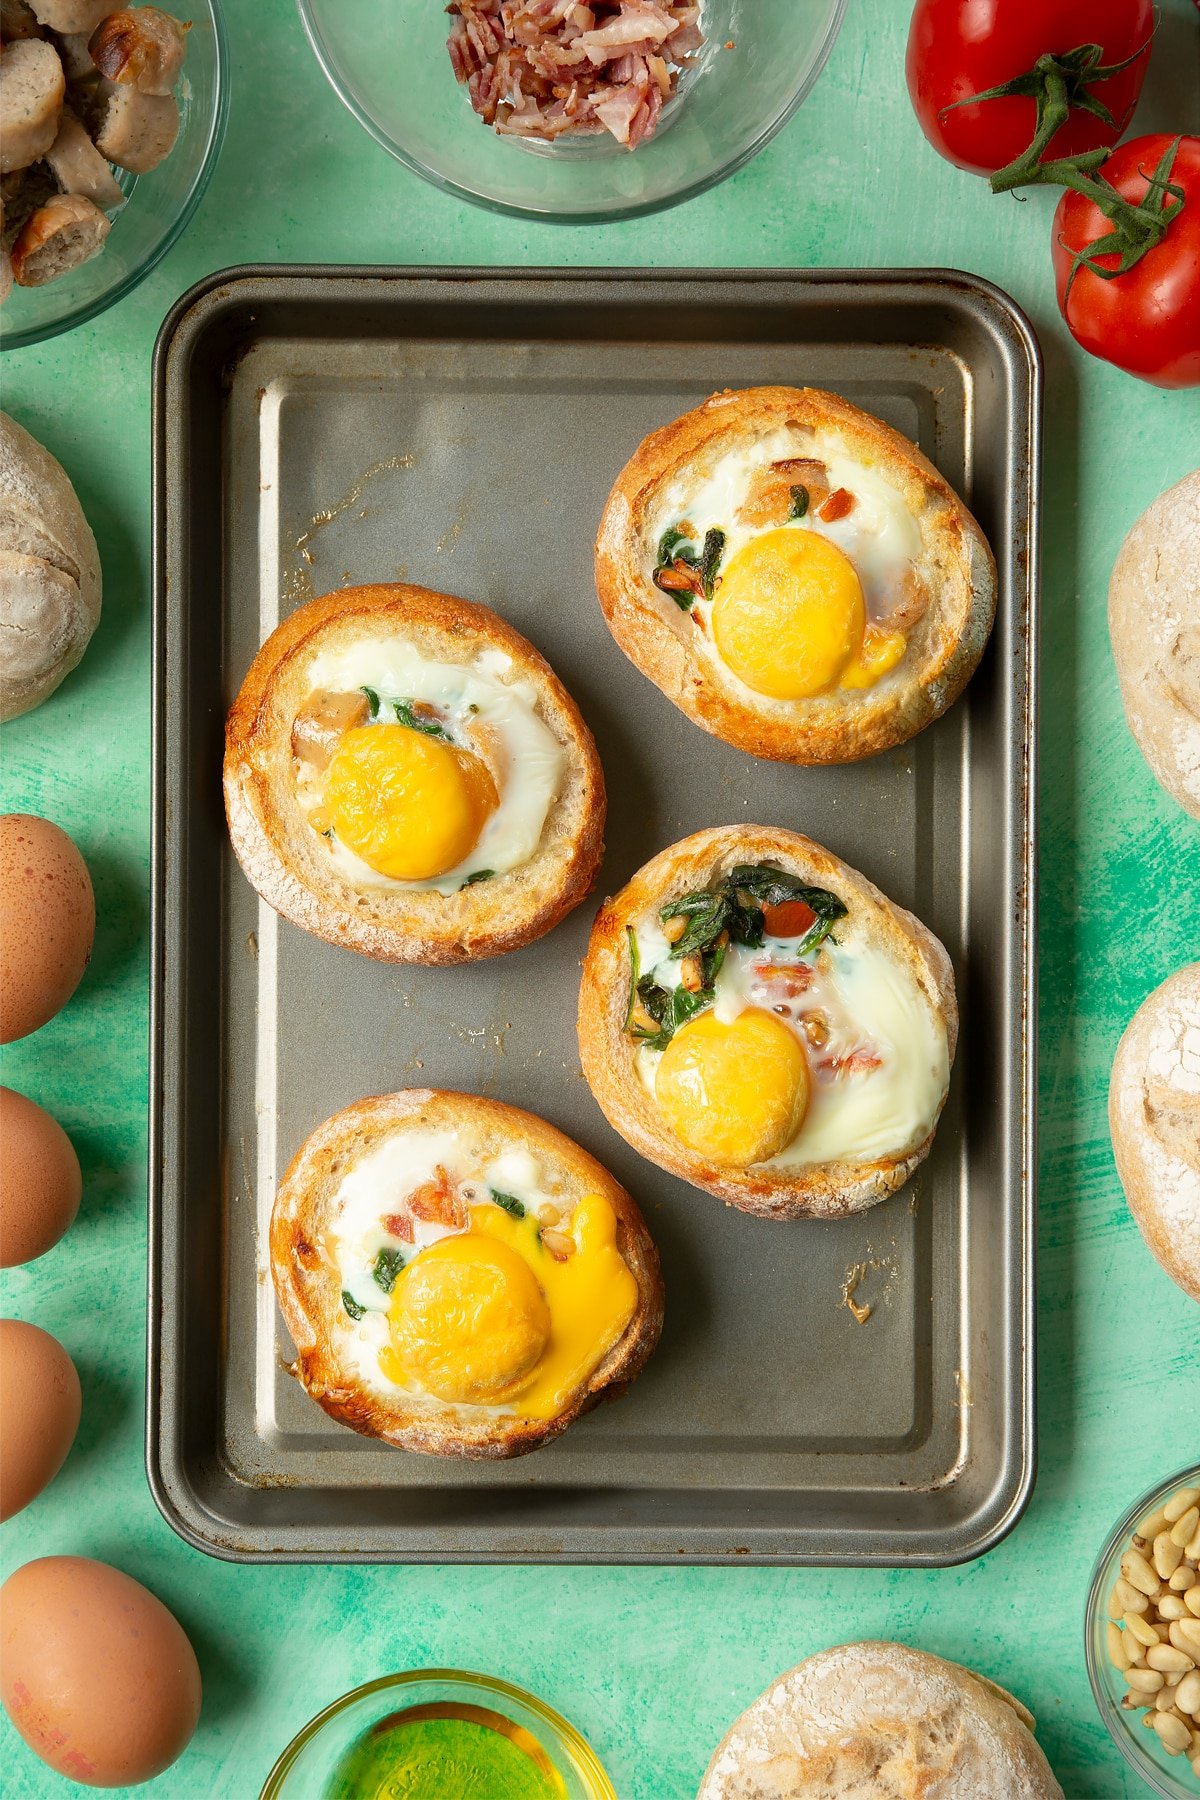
(1142, 1636)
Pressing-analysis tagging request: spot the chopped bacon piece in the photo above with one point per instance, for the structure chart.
(398, 1225)
(539, 68)
(438, 1202)
(838, 506)
(790, 978)
(855, 1062)
(791, 918)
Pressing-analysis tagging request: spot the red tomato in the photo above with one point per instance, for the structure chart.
(961, 47)
(1148, 320)
(790, 918)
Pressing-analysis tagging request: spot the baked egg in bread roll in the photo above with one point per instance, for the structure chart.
(759, 1019)
(405, 775)
(795, 575)
(458, 1277)
(878, 1721)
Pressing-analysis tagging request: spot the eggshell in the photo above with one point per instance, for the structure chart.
(95, 1673)
(47, 922)
(40, 1182)
(39, 1412)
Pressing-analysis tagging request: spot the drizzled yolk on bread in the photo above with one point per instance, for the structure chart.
(410, 805)
(490, 1317)
(790, 619)
(735, 1093)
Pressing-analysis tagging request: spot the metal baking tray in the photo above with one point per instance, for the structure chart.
(315, 427)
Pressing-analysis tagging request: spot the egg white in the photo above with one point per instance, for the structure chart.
(880, 535)
(375, 1185)
(870, 1002)
(478, 691)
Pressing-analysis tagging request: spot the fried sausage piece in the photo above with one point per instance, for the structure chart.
(32, 89)
(141, 47)
(70, 15)
(60, 235)
(137, 130)
(79, 167)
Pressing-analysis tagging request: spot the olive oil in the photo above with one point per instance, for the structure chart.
(446, 1751)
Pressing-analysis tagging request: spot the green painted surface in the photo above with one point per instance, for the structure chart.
(651, 1663)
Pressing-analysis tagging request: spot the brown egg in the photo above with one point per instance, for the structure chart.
(95, 1673)
(39, 1412)
(47, 922)
(40, 1183)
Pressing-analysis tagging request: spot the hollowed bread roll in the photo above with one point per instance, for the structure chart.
(1154, 1116)
(458, 1277)
(405, 775)
(795, 575)
(877, 1721)
(756, 1017)
(1154, 623)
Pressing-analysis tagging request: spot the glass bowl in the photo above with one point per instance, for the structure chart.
(158, 205)
(330, 1758)
(400, 86)
(1169, 1776)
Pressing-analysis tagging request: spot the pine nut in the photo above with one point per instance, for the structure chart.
(1145, 1681)
(562, 1248)
(1152, 1524)
(1195, 1766)
(691, 976)
(548, 1215)
(1141, 1629)
(1134, 1651)
(1183, 1578)
(1128, 1597)
(1173, 1733)
(1187, 1694)
(673, 929)
(1183, 1528)
(1164, 1700)
(1179, 1503)
(1135, 1703)
(1114, 1640)
(1137, 1570)
(1171, 1607)
(1191, 1599)
(1192, 1548)
(1167, 1555)
(1185, 1635)
(1168, 1657)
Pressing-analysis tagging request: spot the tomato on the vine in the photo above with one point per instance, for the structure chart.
(957, 48)
(1146, 321)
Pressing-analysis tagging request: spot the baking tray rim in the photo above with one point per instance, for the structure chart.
(173, 1494)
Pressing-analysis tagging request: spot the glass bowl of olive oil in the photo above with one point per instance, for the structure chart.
(437, 1734)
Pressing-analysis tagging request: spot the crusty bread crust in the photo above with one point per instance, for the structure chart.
(284, 858)
(944, 646)
(1154, 624)
(879, 1721)
(1154, 1117)
(826, 1191)
(309, 1292)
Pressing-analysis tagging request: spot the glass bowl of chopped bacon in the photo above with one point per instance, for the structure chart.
(573, 110)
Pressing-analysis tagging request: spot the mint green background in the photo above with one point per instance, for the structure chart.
(651, 1663)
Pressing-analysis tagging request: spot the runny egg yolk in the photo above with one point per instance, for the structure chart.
(789, 614)
(735, 1093)
(411, 805)
(490, 1317)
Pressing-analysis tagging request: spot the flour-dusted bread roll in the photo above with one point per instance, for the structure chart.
(1154, 1116)
(756, 1017)
(406, 776)
(49, 573)
(1154, 622)
(795, 575)
(458, 1277)
(878, 1721)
